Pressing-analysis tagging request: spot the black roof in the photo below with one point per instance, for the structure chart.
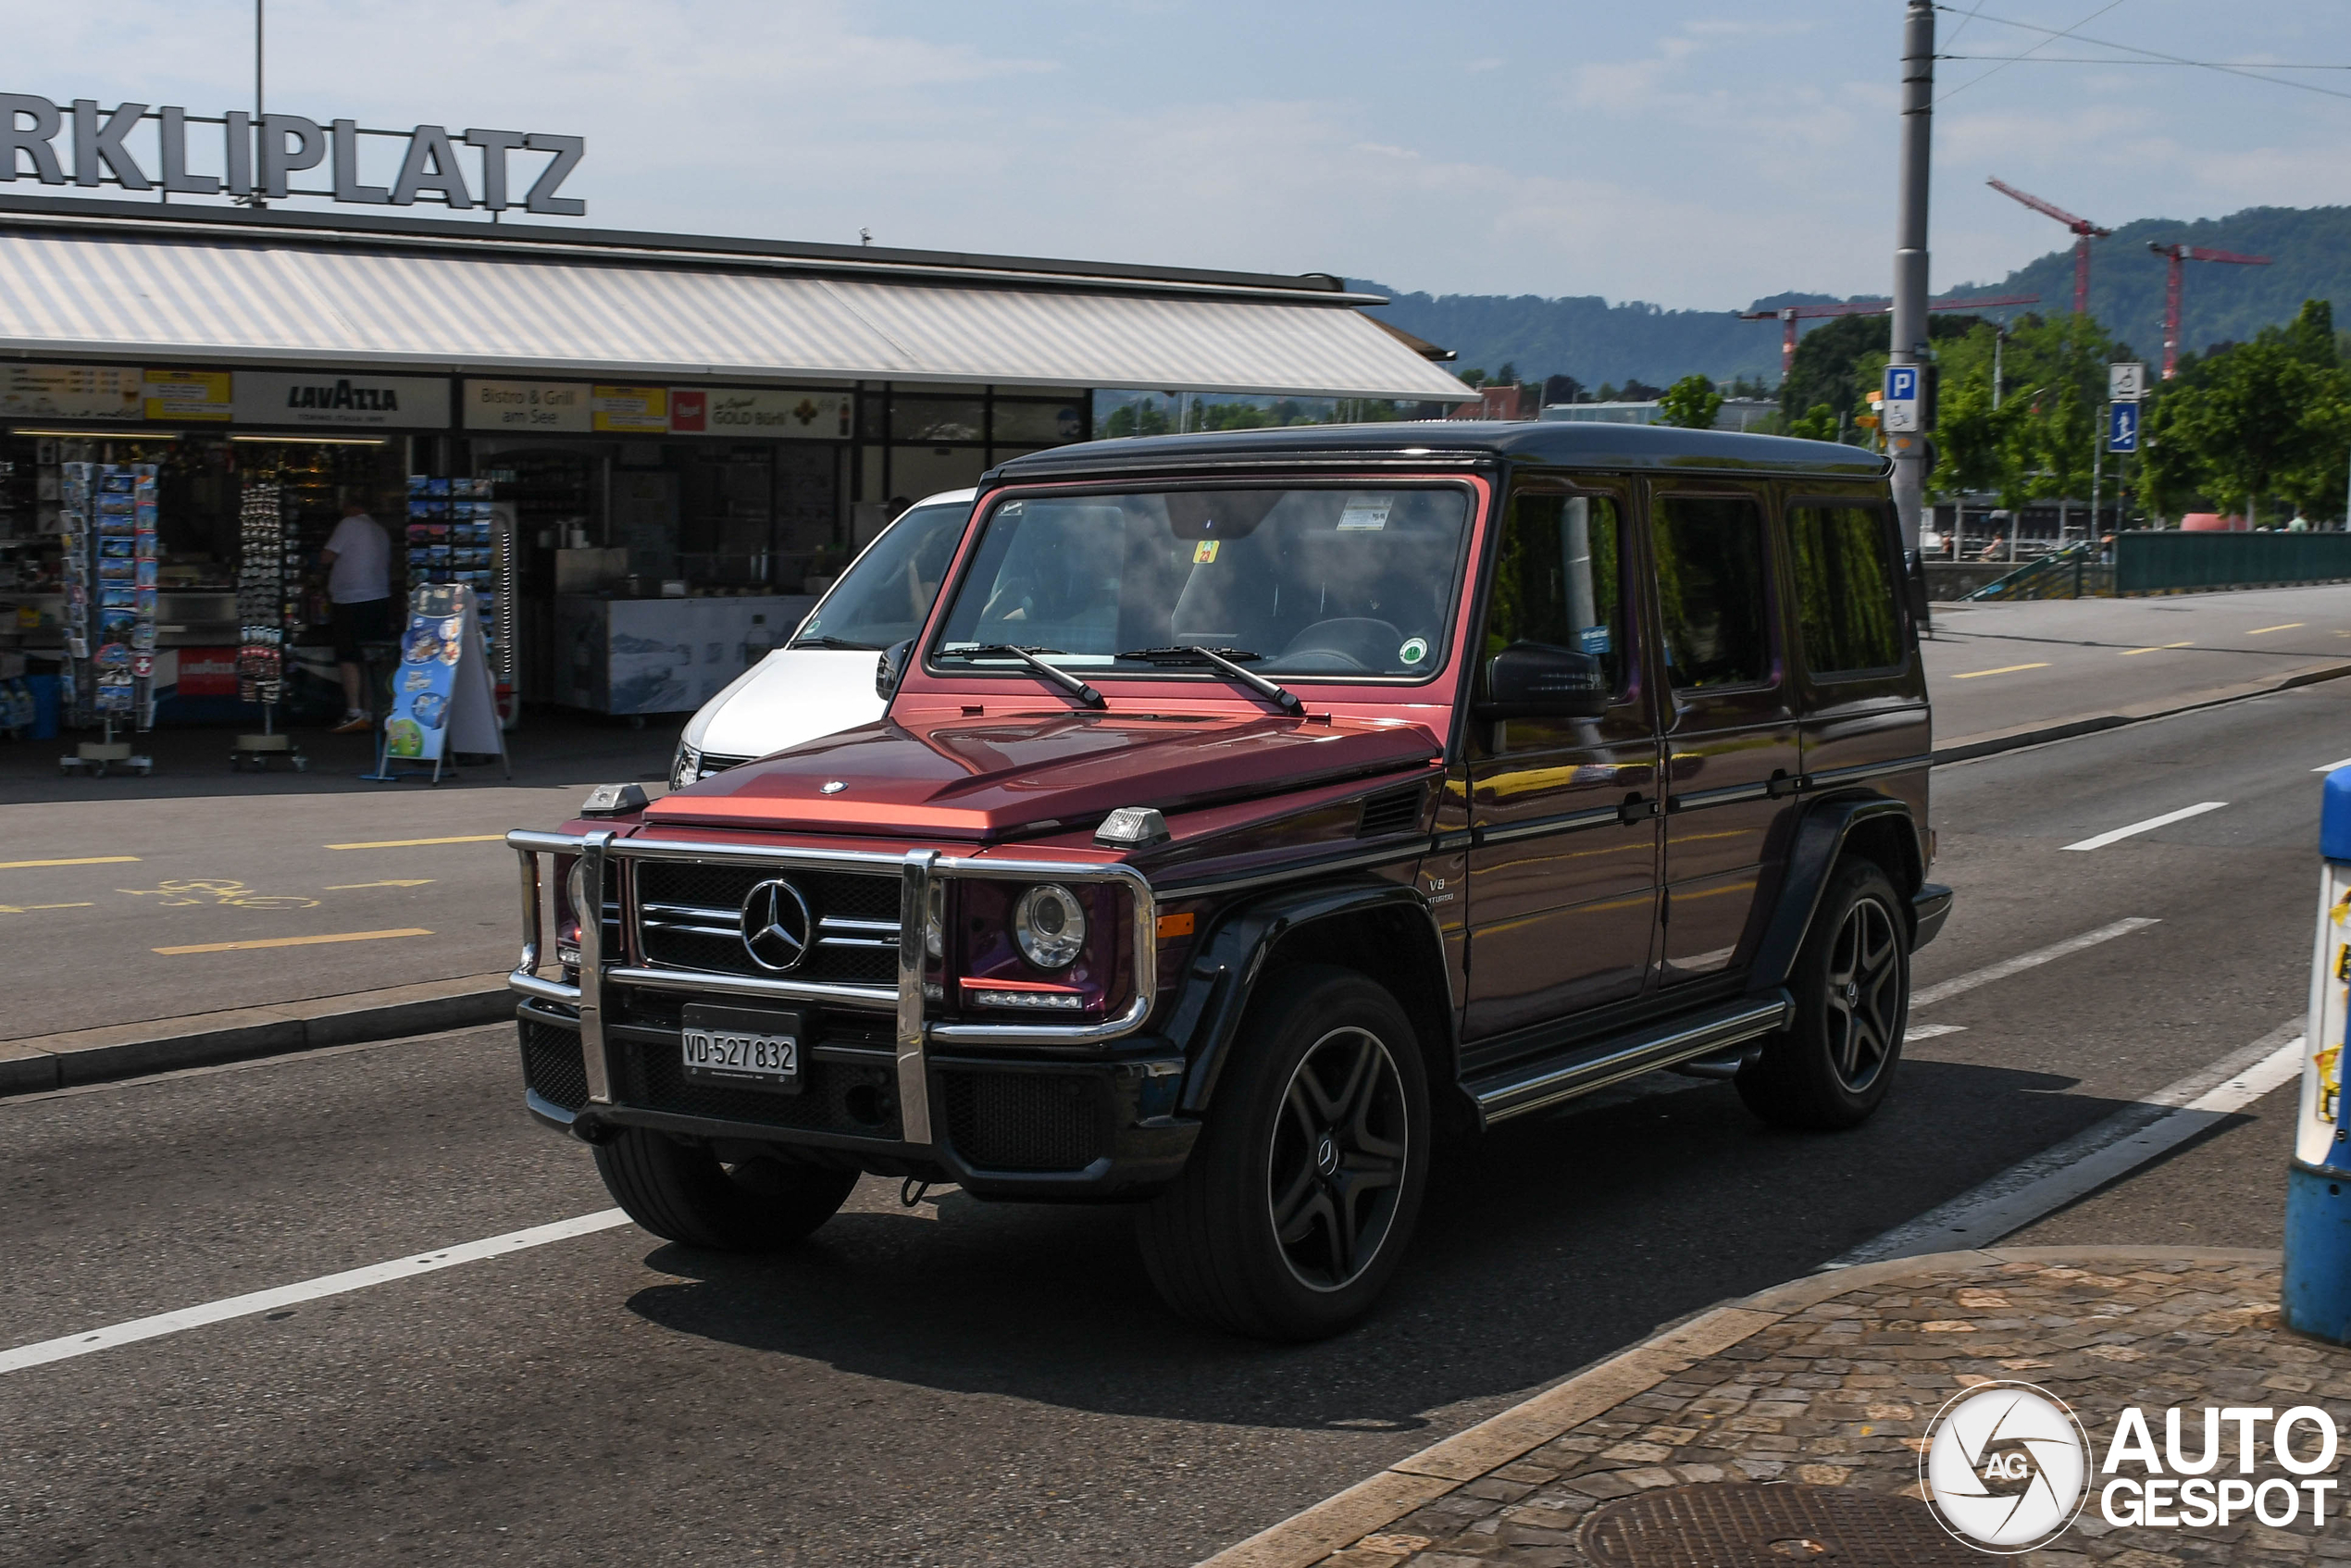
(1543, 444)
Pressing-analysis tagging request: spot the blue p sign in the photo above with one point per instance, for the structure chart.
(1901, 383)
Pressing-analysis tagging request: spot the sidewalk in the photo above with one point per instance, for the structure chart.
(1820, 1390)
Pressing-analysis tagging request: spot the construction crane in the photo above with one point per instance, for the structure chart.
(2084, 229)
(2176, 254)
(1789, 316)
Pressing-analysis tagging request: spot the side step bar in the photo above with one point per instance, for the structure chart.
(1531, 1087)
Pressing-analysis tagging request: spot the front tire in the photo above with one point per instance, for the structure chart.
(1834, 1064)
(1300, 1197)
(682, 1192)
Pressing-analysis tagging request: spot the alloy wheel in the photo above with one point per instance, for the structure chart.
(1864, 993)
(1338, 1154)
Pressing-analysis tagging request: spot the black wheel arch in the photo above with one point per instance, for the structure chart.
(1877, 828)
(1384, 930)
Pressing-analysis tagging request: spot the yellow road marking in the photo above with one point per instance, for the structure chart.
(87, 860)
(347, 887)
(29, 908)
(296, 942)
(2129, 651)
(411, 843)
(2287, 626)
(2004, 669)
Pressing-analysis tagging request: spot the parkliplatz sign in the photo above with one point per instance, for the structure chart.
(81, 144)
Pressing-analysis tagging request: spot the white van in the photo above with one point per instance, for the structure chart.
(822, 680)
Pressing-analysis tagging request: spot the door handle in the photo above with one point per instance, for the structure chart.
(1637, 807)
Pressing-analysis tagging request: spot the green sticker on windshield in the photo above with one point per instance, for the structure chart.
(1415, 649)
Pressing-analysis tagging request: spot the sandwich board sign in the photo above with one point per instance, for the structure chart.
(443, 698)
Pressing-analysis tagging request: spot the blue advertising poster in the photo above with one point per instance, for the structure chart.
(421, 689)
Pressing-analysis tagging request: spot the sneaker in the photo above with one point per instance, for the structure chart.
(353, 724)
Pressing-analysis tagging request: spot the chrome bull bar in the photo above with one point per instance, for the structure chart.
(921, 876)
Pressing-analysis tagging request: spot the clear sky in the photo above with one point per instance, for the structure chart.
(1689, 154)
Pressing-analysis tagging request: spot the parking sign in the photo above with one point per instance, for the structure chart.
(1901, 408)
(2123, 428)
(2126, 381)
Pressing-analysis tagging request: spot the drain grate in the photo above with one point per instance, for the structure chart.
(1739, 1525)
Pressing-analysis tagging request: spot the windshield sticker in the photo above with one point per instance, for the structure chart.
(1593, 639)
(1364, 515)
(1415, 649)
(1204, 552)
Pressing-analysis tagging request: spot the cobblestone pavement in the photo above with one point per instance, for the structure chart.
(1831, 1382)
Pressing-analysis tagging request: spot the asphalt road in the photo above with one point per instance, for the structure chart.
(168, 876)
(997, 1385)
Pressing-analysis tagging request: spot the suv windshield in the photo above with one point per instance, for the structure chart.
(886, 593)
(1322, 582)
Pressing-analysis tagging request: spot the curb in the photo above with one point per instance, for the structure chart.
(1411, 1484)
(41, 1062)
(1970, 747)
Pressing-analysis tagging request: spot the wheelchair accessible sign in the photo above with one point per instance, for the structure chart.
(1900, 410)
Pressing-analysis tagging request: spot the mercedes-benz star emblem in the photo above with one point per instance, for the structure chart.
(777, 926)
(833, 788)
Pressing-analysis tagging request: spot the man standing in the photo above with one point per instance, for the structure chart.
(358, 561)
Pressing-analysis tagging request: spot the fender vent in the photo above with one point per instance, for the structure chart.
(1391, 811)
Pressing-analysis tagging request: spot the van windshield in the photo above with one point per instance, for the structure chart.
(1324, 582)
(886, 594)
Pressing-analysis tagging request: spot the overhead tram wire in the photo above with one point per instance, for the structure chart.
(2156, 55)
(2054, 36)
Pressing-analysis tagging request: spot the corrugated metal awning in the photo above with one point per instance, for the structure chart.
(336, 300)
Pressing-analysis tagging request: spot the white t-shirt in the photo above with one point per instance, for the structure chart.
(362, 569)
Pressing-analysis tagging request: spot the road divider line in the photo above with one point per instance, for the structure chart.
(1928, 1031)
(2158, 647)
(2332, 766)
(2004, 669)
(2289, 626)
(295, 941)
(1942, 990)
(2100, 840)
(354, 887)
(84, 860)
(131, 1333)
(2040, 1186)
(412, 843)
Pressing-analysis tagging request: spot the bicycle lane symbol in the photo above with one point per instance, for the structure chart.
(217, 892)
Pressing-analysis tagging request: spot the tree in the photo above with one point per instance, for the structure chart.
(1819, 423)
(1473, 378)
(2260, 419)
(1691, 402)
(1138, 419)
(1639, 391)
(1562, 388)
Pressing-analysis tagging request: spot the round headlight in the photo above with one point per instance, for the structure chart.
(583, 908)
(686, 769)
(1050, 925)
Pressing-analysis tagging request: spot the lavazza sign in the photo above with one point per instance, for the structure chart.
(79, 144)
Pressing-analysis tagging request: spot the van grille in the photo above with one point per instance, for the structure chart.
(690, 916)
(1023, 1121)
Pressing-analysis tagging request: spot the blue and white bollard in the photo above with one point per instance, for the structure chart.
(2317, 1294)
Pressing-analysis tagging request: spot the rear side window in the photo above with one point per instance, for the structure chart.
(1846, 589)
(1560, 581)
(1711, 591)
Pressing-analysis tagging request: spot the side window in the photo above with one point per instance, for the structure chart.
(1847, 589)
(1712, 592)
(1559, 579)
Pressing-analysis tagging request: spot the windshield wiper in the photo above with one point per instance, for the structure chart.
(1222, 659)
(822, 641)
(1086, 695)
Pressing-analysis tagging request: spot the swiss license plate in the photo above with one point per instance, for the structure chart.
(745, 1047)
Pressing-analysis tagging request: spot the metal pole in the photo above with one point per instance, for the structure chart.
(2097, 474)
(1909, 344)
(1999, 340)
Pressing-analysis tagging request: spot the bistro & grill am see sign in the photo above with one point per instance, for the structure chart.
(81, 144)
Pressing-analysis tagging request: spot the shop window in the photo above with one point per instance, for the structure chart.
(1040, 424)
(918, 471)
(936, 419)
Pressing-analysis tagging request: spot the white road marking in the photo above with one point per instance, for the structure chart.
(2089, 1160)
(2149, 826)
(2332, 766)
(107, 1338)
(1928, 1031)
(2023, 961)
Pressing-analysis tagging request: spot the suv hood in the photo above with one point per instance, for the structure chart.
(985, 778)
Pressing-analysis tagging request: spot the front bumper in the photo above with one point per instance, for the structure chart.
(1930, 906)
(1030, 1109)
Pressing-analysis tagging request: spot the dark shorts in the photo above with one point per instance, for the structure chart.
(369, 621)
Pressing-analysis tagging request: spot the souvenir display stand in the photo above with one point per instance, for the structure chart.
(106, 514)
(267, 612)
(444, 699)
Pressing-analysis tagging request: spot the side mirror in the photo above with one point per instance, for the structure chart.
(1537, 681)
(890, 669)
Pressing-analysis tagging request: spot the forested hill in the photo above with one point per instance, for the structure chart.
(1597, 343)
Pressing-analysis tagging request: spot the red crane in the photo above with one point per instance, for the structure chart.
(1791, 315)
(2176, 254)
(2084, 231)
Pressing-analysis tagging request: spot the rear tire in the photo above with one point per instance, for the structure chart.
(1300, 1197)
(1834, 1064)
(680, 1191)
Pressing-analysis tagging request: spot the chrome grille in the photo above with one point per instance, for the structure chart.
(690, 916)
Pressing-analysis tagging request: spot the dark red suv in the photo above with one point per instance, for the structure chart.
(1254, 810)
